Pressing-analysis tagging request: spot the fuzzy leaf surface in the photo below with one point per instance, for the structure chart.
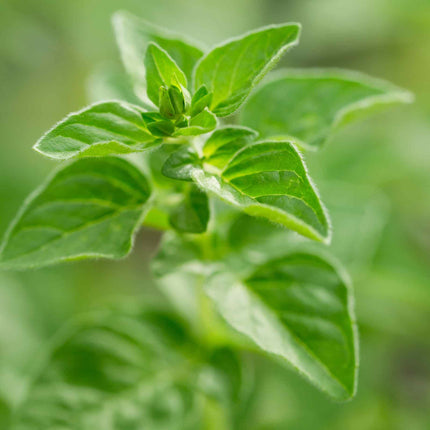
(102, 129)
(269, 179)
(90, 208)
(221, 146)
(300, 308)
(311, 105)
(232, 69)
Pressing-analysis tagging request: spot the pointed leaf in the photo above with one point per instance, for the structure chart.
(133, 35)
(192, 214)
(311, 105)
(300, 308)
(232, 69)
(269, 179)
(161, 70)
(223, 144)
(101, 129)
(201, 99)
(89, 208)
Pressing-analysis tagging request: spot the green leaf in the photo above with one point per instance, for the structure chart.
(117, 370)
(192, 214)
(201, 99)
(221, 146)
(181, 164)
(89, 208)
(101, 129)
(269, 179)
(161, 128)
(311, 105)
(232, 69)
(161, 70)
(133, 35)
(300, 308)
(202, 123)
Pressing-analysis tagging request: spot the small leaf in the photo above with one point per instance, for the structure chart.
(269, 179)
(311, 105)
(192, 214)
(300, 308)
(232, 69)
(133, 35)
(180, 164)
(225, 142)
(161, 128)
(201, 99)
(101, 129)
(89, 208)
(161, 71)
(202, 123)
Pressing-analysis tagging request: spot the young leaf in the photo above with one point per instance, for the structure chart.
(101, 129)
(133, 35)
(232, 69)
(192, 214)
(161, 71)
(269, 179)
(117, 370)
(202, 123)
(225, 142)
(201, 99)
(181, 164)
(161, 128)
(90, 208)
(311, 105)
(300, 308)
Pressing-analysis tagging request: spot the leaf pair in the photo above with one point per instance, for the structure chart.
(228, 72)
(266, 179)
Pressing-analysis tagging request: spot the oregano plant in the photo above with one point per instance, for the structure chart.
(197, 146)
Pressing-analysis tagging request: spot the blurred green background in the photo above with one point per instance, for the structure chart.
(374, 177)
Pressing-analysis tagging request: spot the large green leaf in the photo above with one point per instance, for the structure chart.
(232, 69)
(300, 308)
(269, 179)
(101, 129)
(90, 208)
(311, 105)
(161, 70)
(117, 370)
(133, 35)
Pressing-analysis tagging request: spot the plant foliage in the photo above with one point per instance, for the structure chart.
(221, 189)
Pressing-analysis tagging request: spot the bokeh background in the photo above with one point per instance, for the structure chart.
(374, 176)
